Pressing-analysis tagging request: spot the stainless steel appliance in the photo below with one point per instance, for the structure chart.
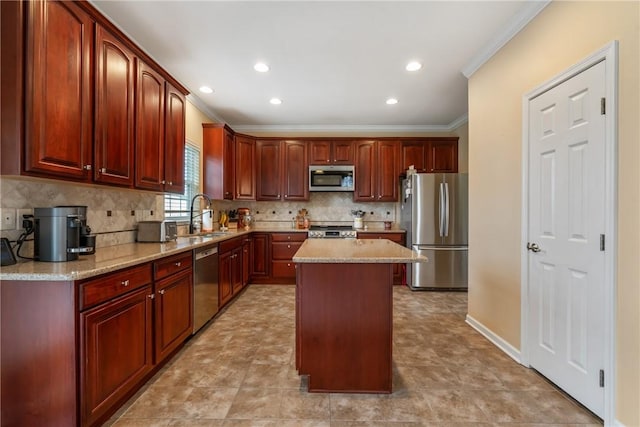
(157, 231)
(332, 231)
(205, 285)
(331, 178)
(61, 234)
(435, 214)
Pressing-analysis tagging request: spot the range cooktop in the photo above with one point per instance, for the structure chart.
(332, 231)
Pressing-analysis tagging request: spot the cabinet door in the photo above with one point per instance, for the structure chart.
(319, 152)
(58, 121)
(260, 256)
(229, 170)
(218, 168)
(150, 113)
(386, 169)
(245, 168)
(236, 270)
(114, 132)
(247, 260)
(295, 171)
(224, 277)
(116, 351)
(443, 156)
(268, 160)
(365, 171)
(173, 313)
(398, 269)
(174, 140)
(342, 152)
(414, 153)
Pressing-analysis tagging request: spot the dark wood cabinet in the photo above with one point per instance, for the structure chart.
(116, 351)
(438, 154)
(376, 171)
(219, 161)
(399, 238)
(149, 116)
(58, 111)
(331, 152)
(295, 171)
(230, 269)
(174, 139)
(245, 149)
(281, 170)
(443, 156)
(283, 247)
(114, 126)
(173, 296)
(260, 257)
(247, 259)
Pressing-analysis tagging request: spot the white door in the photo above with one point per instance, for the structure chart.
(566, 220)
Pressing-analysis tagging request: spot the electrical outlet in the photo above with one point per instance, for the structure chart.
(20, 216)
(7, 219)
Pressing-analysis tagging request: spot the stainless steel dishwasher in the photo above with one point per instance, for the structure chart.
(205, 285)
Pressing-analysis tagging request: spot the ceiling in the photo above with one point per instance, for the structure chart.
(332, 63)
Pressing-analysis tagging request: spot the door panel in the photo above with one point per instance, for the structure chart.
(566, 218)
(425, 189)
(447, 268)
(456, 210)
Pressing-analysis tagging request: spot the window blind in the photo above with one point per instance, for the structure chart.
(176, 206)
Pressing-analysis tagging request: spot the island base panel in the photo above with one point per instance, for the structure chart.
(344, 327)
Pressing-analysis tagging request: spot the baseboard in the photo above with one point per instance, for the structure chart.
(617, 423)
(510, 350)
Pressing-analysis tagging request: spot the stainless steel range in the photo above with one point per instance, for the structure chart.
(332, 232)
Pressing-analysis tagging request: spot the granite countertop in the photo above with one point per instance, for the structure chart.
(355, 251)
(112, 258)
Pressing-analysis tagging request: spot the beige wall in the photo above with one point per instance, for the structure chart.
(194, 118)
(560, 36)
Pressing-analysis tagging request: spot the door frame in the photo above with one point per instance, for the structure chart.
(608, 53)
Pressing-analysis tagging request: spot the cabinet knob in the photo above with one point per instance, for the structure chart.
(285, 196)
(161, 291)
(163, 182)
(103, 170)
(373, 197)
(288, 264)
(87, 167)
(278, 196)
(328, 160)
(289, 237)
(288, 246)
(125, 282)
(178, 264)
(170, 182)
(152, 296)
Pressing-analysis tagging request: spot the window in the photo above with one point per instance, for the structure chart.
(176, 206)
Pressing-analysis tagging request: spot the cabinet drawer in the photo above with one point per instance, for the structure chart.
(284, 250)
(288, 237)
(112, 285)
(283, 269)
(170, 265)
(394, 237)
(229, 245)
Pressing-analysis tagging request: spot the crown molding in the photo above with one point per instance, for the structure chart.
(458, 122)
(520, 21)
(341, 128)
(204, 108)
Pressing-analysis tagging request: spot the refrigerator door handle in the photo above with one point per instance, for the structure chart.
(446, 209)
(441, 210)
(440, 248)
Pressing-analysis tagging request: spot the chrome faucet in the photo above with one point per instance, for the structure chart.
(204, 196)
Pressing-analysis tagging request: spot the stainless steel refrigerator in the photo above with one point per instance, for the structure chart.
(435, 214)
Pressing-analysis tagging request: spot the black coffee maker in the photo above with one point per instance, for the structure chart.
(62, 234)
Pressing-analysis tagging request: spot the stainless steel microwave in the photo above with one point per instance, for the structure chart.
(331, 178)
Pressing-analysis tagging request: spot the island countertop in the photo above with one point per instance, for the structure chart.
(359, 251)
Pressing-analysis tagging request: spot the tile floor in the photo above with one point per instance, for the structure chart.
(240, 371)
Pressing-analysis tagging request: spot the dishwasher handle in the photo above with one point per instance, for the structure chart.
(207, 252)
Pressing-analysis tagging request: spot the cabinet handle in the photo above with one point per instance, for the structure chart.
(286, 195)
(278, 196)
(125, 282)
(289, 237)
(163, 182)
(152, 296)
(288, 264)
(161, 291)
(178, 264)
(170, 182)
(87, 167)
(328, 160)
(103, 170)
(373, 197)
(288, 246)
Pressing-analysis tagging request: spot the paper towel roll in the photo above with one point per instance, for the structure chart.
(207, 220)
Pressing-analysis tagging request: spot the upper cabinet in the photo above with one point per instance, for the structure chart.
(281, 170)
(58, 113)
(331, 152)
(219, 161)
(376, 171)
(439, 154)
(95, 107)
(245, 150)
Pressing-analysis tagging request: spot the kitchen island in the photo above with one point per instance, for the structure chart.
(344, 313)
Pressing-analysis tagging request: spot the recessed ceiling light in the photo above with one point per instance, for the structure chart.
(275, 101)
(413, 66)
(392, 101)
(206, 89)
(261, 67)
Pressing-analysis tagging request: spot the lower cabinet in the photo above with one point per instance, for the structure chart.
(130, 322)
(399, 238)
(283, 247)
(259, 271)
(230, 269)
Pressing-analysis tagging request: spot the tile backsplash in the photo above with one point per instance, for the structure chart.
(113, 213)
